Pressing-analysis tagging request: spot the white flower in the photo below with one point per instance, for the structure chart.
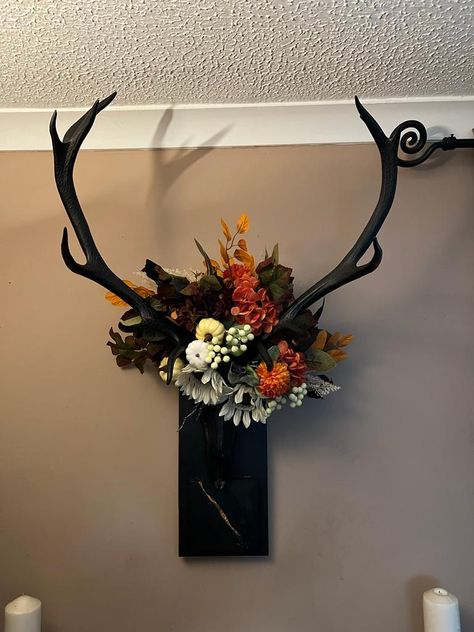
(196, 354)
(209, 389)
(244, 404)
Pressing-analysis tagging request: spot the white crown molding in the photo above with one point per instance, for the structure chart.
(237, 125)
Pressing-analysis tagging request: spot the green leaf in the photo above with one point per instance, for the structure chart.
(242, 375)
(278, 281)
(179, 283)
(156, 304)
(191, 289)
(152, 335)
(235, 374)
(318, 360)
(209, 266)
(134, 320)
(274, 352)
(251, 377)
(210, 282)
(275, 254)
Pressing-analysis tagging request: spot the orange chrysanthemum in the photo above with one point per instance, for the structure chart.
(252, 305)
(275, 382)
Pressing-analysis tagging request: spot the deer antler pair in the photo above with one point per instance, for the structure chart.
(95, 268)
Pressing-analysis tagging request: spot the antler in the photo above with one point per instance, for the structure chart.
(95, 268)
(348, 269)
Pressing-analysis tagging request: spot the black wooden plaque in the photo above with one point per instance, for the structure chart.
(228, 521)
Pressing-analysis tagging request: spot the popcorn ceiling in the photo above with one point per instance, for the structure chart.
(69, 52)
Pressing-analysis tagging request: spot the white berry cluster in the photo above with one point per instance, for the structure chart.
(236, 339)
(296, 397)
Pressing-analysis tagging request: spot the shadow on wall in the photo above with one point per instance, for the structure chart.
(167, 171)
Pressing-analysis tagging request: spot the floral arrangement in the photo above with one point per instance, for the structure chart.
(237, 356)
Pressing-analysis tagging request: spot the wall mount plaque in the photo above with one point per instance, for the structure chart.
(235, 340)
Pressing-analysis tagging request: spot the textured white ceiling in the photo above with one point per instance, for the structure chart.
(68, 52)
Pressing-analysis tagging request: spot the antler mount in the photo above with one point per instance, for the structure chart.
(410, 136)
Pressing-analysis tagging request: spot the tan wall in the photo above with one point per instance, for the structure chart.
(371, 490)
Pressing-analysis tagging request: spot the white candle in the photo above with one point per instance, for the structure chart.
(440, 611)
(23, 615)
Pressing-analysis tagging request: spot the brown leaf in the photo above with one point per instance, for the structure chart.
(226, 230)
(242, 244)
(122, 361)
(206, 257)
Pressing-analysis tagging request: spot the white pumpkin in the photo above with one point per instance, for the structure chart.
(196, 354)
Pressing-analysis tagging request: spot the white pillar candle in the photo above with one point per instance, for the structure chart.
(440, 611)
(23, 614)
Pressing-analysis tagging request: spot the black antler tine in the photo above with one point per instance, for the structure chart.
(65, 152)
(348, 269)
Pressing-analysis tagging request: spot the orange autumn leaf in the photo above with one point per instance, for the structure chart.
(337, 355)
(224, 254)
(241, 254)
(139, 289)
(333, 340)
(345, 340)
(243, 223)
(215, 264)
(320, 341)
(226, 230)
(242, 244)
(244, 258)
(143, 291)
